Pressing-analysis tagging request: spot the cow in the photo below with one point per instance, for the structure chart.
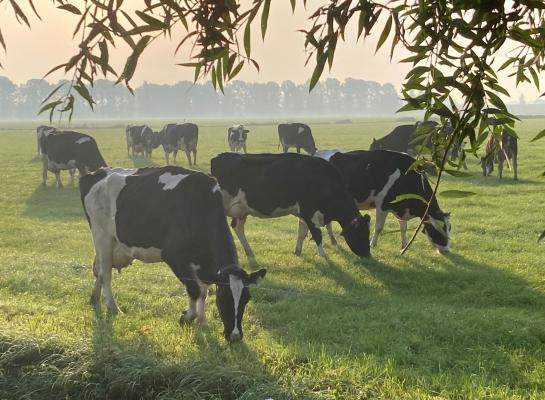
(141, 139)
(274, 185)
(176, 137)
(236, 138)
(376, 178)
(296, 135)
(404, 138)
(69, 150)
(41, 131)
(168, 214)
(499, 152)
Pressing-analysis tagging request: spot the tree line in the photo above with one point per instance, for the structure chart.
(188, 99)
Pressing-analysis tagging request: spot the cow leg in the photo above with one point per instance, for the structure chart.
(72, 172)
(403, 233)
(166, 156)
(103, 265)
(301, 235)
(380, 219)
(238, 226)
(188, 155)
(316, 234)
(58, 179)
(201, 304)
(195, 157)
(244, 148)
(44, 174)
(332, 238)
(500, 166)
(174, 153)
(95, 294)
(514, 164)
(298, 150)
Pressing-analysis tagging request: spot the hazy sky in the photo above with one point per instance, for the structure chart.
(281, 57)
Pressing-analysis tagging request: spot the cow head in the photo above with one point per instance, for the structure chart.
(232, 295)
(356, 235)
(437, 229)
(157, 139)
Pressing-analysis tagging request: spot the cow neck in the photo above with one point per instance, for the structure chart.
(223, 247)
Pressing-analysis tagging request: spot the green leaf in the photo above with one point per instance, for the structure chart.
(317, 71)
(385, 33)
(458, 174)
(70, 8)
(53, 92)
(2, 43)
(50, 106)
(236, 70)
(457, 194)
(247, 39)
(151, 21)
(265, 17)
(408, 196)
(538, 136)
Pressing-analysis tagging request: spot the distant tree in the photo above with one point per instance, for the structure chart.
(7, 90)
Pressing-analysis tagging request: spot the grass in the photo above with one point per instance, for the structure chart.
(470, 325)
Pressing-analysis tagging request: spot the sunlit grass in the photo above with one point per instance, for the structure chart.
(470, 325)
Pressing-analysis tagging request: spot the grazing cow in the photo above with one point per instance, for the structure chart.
(403, 138)
(274, 185)
(176, 137)
(376, 178)
(296, 135)
(43, 130)
(236, 137)
(499, 152)
(168, 214)
(69, 150)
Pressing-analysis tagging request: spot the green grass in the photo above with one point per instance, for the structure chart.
(470, 325)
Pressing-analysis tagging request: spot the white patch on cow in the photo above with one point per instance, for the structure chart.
(171, 181)
(237, 207)
(327, 154)
(236, 285)
(54, 166)
(83, 140)
(300, 130)
(200, 306)
(379, 198)
(318, 219)
(216, 188)
(123, 254)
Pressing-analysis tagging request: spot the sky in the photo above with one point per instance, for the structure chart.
(31, 53)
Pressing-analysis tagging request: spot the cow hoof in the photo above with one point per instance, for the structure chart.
(95, 302)
(202, 322)
(297, 252)
(113, 309)
(185, 319)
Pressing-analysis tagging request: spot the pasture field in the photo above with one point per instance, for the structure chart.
(469, 325)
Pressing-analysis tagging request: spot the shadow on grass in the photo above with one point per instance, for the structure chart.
(459, 319)
(52, 203)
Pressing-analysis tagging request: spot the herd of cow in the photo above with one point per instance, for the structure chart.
(178, 215)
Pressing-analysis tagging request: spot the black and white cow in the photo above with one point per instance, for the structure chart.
(376, 178)
(168, 214)
(43, 130)
(274, 185)
(296, 135)
(69, 150)
(500, 152)
(236, 137)
(176, 137)
(141, 139)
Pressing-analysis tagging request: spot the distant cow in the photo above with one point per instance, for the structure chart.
(296, 135)
(141, 139)
(69, 150)
(376, 178)
(404, 138)
(41, 131)
(236, 137)
(176, 137)
(274, 185)
(499, 152)
(168, 214)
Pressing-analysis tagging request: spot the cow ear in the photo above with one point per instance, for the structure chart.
(255, 276)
